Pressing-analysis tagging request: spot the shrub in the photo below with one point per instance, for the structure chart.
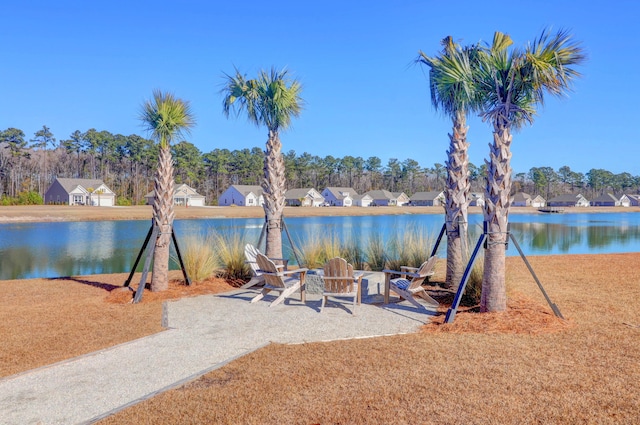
(473, 290)
(409, 247)
(229, 247)
(374, 250)
(199, 257)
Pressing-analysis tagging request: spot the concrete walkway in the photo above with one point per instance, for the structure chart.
(203, 333)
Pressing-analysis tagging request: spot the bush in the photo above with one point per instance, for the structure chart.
(123, 202)
(229, 247)
(199, 258)
(376, 257)
(411, 247)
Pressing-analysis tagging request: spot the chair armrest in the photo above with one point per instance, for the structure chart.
(401, 273)
(407, 268)
(287, 272)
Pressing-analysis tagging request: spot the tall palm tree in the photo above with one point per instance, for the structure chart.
(167, 118)
(512, 83)
(269, 100)
(452, 90)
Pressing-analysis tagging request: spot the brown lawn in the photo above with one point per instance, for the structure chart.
(520, 366)
(83, 213)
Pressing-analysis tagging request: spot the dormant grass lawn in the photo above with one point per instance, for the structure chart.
(521, 366)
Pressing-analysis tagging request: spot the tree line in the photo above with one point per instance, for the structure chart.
(127, 165)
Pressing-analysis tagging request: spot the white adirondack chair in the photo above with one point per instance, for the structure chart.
(406, 288)
(275, 279)
(250, 253)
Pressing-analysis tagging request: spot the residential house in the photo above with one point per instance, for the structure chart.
(80, 192)
(634, 199)
(183, 195)
(386, 198)
(434, 198)
(522, 199)
(362, 200)
(303, 198)
(476, 199)
(625, 201)
(605, 200)
(568, 200)
(339, 196)
(538, 202)
(242, 195)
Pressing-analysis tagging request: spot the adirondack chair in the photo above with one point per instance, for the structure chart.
(276, 279)
(340, 281)
(250, 253)
(406, 288)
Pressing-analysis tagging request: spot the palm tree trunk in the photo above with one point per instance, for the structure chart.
(274, 189)
(457, 202)
(496, 216)
(163, 215)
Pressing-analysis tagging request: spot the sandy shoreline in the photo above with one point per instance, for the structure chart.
(49, 213)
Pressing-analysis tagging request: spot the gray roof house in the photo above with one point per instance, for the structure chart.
(476, 199)
(362, 200)
(522, 199)
(79, 192)
(634, 199)
(434, 198)
(339, 196)
(182, 195)
(568, 200)
(386, 198)
(242, 195)
(307, 197)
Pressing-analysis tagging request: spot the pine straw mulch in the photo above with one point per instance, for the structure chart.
(523, 316)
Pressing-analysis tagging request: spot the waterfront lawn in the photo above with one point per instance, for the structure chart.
(522, 366)
(43, 321)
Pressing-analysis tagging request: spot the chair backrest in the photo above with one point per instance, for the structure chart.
(335, 269)
(271, 271)
(250, 253)
(425, 270)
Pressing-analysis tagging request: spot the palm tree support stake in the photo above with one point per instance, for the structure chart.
(451, 313)
(153, 235)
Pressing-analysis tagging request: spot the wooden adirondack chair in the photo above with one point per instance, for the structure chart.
(276, 279)
(250, 253)
(406, 288)
(340, 281)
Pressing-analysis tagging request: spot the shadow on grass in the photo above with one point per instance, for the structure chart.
(106, 286)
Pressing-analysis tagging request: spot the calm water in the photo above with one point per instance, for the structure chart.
(30, 250)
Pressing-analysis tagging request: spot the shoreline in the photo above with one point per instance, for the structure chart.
(57, 213)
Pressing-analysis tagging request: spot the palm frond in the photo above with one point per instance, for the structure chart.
(166, 117)
(272, 99)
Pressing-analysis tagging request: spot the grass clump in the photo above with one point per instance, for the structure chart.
(410, 247)
(229, 247)
(199, 257)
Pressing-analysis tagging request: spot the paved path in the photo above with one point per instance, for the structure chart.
(204, 333)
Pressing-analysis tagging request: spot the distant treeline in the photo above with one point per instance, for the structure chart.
(127, 165)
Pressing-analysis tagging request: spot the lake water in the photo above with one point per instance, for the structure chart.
(29, 250)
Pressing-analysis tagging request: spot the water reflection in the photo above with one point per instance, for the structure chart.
(61, 249)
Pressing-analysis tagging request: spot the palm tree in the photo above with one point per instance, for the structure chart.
(511, 84)
(270, 100)
(452, 90)
(167, 118)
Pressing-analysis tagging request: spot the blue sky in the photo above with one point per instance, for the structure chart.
(75, 65)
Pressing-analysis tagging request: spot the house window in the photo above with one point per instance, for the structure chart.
(249, 201)
(77, 199)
